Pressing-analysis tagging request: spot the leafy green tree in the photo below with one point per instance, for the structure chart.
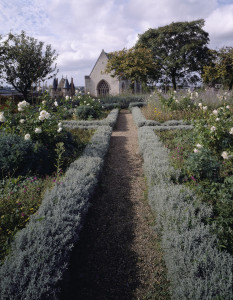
(179, 49)
(24, 61)
(220, 70)
(135, 64)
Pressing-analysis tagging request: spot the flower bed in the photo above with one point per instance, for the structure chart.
(110, 121)
(41, 251)
(196, 268)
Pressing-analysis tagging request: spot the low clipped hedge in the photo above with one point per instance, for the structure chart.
(196, 268)
(41, 251)
(140, 121)
(109, 121)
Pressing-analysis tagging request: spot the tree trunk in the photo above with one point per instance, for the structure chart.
(174, 82)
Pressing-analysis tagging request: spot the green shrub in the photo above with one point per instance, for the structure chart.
(85, 112)
(16, 155)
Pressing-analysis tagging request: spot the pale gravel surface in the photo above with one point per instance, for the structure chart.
(119, 256)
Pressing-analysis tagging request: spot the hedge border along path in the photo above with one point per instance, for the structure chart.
(196, 268)
(118, 256)
(41, 251)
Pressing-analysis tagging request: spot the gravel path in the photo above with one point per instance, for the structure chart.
(118, 255)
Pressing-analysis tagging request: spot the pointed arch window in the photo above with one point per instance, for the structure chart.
(103, 88)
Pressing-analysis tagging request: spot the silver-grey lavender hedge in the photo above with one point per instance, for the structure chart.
(41, 251)
(196, 268)
(140, 121)
(110, 120)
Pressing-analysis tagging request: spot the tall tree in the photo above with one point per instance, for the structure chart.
(24, 61)
(180, 49)
(135, 64)
(220, 70)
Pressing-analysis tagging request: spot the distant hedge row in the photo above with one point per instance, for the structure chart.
(41, 251)
(196, 268)
(109, 121)
(140, 121)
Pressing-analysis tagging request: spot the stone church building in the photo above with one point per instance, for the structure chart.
(99, 83)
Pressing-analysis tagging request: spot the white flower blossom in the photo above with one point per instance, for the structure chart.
(177, 101)
(213, 128)
(228, 107)
(59, 124)
(67, 97)
(215, 112)
(44, 102)
(44, 115)
(22, 105)
(204, 108)
(22, 121)
(199, 146)
(59, 129)
(225, 155)
(38, 130)
(231, 130)
(200, 105)
(196, 150)
(27, 136)
(2, 117)
(196, 94)
(55, 103)
(217, 119)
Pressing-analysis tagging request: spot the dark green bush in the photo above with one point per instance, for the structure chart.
(202, 166)
(86, 112)
(16, 155)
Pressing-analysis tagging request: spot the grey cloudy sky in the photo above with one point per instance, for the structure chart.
(79, 30)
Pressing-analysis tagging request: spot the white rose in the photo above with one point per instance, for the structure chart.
(205, 108)
(215, 112)
(38, 130)
(27, 136)
(200, 105)
(213, 128)
(228, 107)
(43, 102)
(55, 103)
(41, 118)
(59, 129)
(2, 118)
(225, 155)
(22, 121)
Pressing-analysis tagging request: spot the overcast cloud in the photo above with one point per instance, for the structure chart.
(80, 29)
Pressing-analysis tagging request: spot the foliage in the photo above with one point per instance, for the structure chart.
(220, 70)
(179, 49)
(25, 62)
(46, 243)
(135, 64)
(89, 108)
(196, 267)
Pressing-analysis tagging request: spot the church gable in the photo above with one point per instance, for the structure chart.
(99, 83)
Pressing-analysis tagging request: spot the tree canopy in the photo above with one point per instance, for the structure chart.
(24, 61)
(179, 49)
(135, 64)
(220, 70)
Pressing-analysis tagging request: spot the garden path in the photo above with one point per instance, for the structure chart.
(118, 254)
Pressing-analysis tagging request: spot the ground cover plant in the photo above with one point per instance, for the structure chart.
(35, 151)
(196, 267)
